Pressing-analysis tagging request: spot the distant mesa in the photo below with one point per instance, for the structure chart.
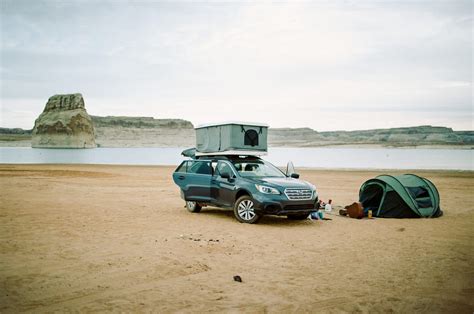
(64, 123)
(140, 122)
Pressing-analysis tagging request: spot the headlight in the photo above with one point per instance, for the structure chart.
(266, 189)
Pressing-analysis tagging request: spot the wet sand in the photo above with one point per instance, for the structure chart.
(117, 238)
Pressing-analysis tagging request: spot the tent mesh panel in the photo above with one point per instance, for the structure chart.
(421, 196)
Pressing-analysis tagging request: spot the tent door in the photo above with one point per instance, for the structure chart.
(373, 196)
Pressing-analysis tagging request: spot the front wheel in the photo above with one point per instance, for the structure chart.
(193, 207)
(244, 210)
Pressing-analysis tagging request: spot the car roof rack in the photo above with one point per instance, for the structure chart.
(235, 154)
(232, 153)
(228, 157)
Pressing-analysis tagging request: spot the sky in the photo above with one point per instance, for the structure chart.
(327, 65)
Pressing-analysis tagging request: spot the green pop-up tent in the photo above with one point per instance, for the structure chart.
(404, 196)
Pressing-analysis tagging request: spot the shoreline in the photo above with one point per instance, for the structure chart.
(408, 170)
(27, 144)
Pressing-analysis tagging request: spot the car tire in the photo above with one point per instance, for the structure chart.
(244, 210)
(193, 207)
(298, 216)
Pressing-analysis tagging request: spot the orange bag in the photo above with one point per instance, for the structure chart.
(355, 210)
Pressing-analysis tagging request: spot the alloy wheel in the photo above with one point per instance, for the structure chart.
(246, 210)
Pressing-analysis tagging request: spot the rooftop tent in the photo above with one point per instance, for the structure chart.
(404, 196)
(232, 137)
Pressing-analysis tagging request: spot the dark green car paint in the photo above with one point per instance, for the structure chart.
(215, 181)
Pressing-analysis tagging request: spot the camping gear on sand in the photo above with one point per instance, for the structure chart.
(238, 138)
(402, 196)
(318, 215)
(355, 210)
(328, 206)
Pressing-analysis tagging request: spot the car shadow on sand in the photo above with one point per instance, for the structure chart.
(228, 214)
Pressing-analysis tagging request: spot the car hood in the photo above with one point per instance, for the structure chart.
(284, 183)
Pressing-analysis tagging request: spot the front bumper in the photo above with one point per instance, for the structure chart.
(281, 205)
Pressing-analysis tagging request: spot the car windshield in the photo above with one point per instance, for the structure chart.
(256, 168)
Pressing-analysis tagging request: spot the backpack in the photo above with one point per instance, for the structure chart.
(355, 210)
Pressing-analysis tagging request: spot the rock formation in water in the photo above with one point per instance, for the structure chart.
(64, 123)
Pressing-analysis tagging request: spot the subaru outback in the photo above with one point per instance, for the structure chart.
(249, 185)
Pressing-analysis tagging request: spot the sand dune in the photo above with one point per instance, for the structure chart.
(117, 238)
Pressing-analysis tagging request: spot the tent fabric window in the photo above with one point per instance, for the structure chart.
(404, 196)
(251, 138)
(421, 196)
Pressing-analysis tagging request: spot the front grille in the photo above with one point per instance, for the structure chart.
(299, 194)
(299, 207)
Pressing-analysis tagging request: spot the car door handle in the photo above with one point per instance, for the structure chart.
(181, 177)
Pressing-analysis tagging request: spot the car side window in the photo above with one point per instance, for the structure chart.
(183, 167)
(200, 167)
(223, 167)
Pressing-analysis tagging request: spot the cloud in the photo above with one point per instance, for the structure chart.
(267, 61)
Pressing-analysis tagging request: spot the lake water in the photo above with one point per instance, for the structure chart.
(336, 158)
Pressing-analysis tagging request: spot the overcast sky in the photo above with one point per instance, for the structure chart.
(328, 65)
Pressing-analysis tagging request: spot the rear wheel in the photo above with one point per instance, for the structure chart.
(244, 210)
(193, 207)
(298, 216)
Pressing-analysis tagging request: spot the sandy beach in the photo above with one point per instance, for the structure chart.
(94, 238)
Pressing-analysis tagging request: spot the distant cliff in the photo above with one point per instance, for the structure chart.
(15, 131)
(116, 131)
(140, 122)
(64, 123)
(15, 137)
(112, 131)
(397, 137)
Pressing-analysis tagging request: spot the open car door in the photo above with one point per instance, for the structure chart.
(194, 179)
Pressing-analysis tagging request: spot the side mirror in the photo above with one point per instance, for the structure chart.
(295, 175)
(225, 175)
(290, 169)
